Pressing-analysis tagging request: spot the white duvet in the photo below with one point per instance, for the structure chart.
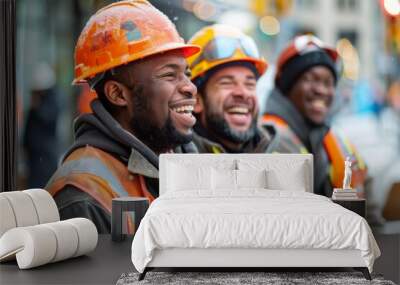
(253, 218)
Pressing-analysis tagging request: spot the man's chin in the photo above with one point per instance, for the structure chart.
(239, 129)
(317, 120)
(182, 137)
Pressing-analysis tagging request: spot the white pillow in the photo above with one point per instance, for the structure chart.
(183, 177)
(223, 179)
(251, 178)
(294, 180)
(282, 174)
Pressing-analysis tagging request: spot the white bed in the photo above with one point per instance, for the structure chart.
(202, 219)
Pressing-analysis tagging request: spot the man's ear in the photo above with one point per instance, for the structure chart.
(115, 93)
(199, 106)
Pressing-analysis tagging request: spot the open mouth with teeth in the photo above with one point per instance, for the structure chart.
(239, 116)
(318, 109)
(183, 109)
(181, 113)
(319, 106)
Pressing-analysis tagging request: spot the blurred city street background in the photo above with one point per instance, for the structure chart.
(366, 33)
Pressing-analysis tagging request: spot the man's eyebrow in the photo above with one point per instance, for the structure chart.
(173, 66)
(230, 77)
(170, 65)
(251, 77)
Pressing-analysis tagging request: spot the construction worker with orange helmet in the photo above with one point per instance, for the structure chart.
(299, 105)
(225, 73)
(133, 57)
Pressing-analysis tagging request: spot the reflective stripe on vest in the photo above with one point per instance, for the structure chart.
(91, 166)
(337, 149)
(98, 174)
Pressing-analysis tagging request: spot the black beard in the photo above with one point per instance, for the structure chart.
(159, 139)
(219, 127)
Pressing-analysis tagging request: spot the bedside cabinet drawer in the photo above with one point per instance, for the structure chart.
(357, 206)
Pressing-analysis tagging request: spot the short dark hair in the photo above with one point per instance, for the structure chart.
(99, 88)
(116, 74)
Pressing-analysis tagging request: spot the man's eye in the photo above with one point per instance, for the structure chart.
(225, 82)
(251, 84)
(329, 83)
(188, 73)
(168, 74)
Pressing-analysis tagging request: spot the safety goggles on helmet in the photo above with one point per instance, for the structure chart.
(308, 43)
(225, 47)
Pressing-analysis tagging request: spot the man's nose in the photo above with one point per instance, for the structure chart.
(187, 87)
(240, 90)
(322, 88)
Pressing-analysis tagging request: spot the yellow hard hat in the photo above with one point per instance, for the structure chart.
(123, 32)
(223, 44)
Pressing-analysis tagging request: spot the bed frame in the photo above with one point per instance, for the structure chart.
(246, 259)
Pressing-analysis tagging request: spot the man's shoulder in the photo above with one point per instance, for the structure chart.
(73, 203)
(187, 148)
(283, 138)
(71, 195)
(88, 151)
(205, 145)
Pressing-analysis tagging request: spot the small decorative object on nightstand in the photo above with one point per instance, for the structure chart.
(356, 205)
(122, 210)
(347, 174)
(347, 197)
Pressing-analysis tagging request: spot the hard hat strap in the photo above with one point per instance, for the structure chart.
(99, 77)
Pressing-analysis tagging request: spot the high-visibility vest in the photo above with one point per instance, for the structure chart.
(337, 148)
(98, 174)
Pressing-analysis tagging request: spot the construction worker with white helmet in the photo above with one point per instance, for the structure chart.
(225, 73)
(132, 56)
(299, 105)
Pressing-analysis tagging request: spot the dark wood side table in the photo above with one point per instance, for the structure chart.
(356, 205)
(122, 205)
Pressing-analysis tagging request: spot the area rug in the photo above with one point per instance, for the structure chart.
(229, 278)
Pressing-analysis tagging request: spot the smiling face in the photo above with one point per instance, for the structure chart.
(159, 100)
(228, 107)
(313, 93)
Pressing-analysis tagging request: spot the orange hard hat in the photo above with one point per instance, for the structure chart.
(123, 32)
(302, 45)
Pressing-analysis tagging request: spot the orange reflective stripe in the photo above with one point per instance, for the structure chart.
(279, 122)
(285, 130)
(145, 191)
(336, 158)
(338, 149)
(93, 185)
(100, 175)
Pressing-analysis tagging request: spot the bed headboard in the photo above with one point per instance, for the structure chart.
(237, 161)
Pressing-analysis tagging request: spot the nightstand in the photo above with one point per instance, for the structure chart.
(358, 206)
(122, 208)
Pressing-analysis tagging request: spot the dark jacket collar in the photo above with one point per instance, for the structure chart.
(310, 135)
(264, 141)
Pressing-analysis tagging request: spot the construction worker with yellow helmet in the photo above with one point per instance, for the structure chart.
(299, 105)
(133, 57)
(225, 73)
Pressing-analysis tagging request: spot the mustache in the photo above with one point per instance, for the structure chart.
(249, 104)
